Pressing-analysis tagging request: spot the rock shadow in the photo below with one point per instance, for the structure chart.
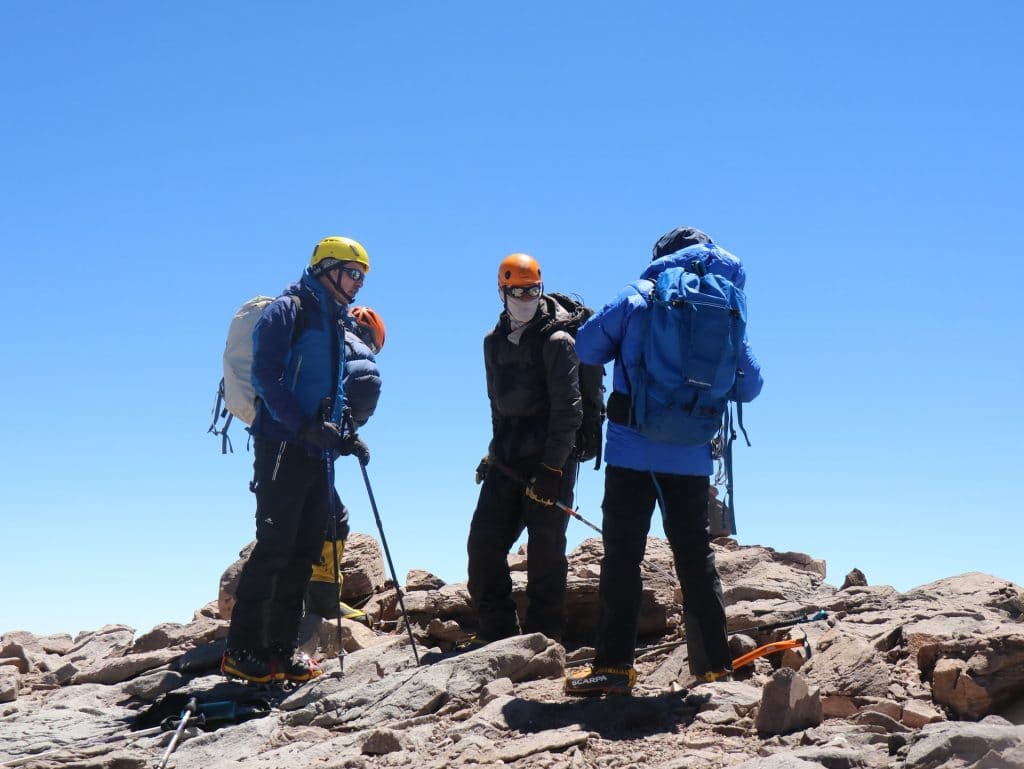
(614, 718)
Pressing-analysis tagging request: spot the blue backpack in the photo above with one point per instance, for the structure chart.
(693, 340)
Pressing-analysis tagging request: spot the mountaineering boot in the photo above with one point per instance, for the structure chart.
(725, 674)
(354, 614)
(247, 664)
(595, 681)
(293, 665)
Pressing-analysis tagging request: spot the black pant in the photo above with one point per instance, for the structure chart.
(291, 518)
(629, 498)
(502, 513)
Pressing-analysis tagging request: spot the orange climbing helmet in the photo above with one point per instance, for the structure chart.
(518, 270)
(370, 327)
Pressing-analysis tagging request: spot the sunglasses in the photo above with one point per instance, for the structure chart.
(357, 275)
(518, 292)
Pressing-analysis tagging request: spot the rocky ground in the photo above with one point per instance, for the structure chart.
(929, 678)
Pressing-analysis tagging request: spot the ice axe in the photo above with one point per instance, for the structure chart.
(572, 513)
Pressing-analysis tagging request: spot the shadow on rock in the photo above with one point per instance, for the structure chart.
(614, 718)
(224, 702)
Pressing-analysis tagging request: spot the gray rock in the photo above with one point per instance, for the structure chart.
(172, 635)
(106, 643)
(229, 583)
(118, 669)
(855, 578)
(976, 676)
(9, 682)
(14, 655)
(410, 693)
(200, 659)
(501, 688)
(518, 748)
(417, 579)
(150, 687)
(882, 654)
(381, 741)
(952, 745)
(778, 761)
(362, 567)
(447, 602)
(787, 704)
(850, 668)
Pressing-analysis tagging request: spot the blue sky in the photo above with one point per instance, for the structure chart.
(163, 163)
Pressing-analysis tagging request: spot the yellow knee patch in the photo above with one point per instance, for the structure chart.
(323, 570)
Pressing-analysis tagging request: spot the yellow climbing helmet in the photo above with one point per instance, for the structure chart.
(335, 250)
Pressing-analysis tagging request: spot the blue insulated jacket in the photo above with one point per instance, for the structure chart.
(616, 333)
(362, 378)
(297, 361)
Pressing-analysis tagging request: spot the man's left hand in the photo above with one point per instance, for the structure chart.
(544, 485)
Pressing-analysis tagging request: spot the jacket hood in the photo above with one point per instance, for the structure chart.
(715, 259)
(564, 312)
(557, 312)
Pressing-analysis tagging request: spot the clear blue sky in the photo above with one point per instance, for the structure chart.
(164, 162)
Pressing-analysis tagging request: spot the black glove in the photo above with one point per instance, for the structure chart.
(353, 444)
(321, 434)
(481, 469)
(543, 486)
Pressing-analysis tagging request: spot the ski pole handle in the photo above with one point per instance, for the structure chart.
(188, 712)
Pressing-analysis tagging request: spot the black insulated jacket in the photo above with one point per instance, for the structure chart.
(533, 386)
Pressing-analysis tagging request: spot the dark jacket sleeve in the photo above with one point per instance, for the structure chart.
(561, 369)
(271, 353)
(489, 376)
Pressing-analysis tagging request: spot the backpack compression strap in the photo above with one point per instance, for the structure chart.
(220, 411)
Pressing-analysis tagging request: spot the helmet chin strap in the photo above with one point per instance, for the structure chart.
(334, 276)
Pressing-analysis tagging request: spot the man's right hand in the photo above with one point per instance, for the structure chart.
(481, 469)
(353, 444)
(323, 435)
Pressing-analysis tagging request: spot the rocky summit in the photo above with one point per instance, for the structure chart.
(930, 678)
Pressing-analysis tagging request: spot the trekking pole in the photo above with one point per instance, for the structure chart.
(332, 511)
(188, 712)
(819, 615)
(569, 511)
(387, 551)
(561, 506)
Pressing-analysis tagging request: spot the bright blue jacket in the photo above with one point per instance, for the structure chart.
(616, 333)
(297, 361)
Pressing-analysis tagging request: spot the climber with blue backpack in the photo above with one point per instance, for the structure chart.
(298, 358)
(678, 340)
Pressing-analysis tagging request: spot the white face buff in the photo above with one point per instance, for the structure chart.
(522, 310)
